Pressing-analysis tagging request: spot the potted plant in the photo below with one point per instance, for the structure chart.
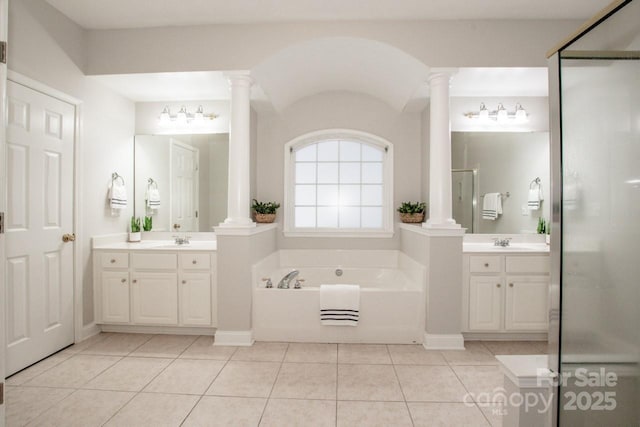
(265, 211)
(134, 232)
(147, 225)
(412, 212)
(542, 226)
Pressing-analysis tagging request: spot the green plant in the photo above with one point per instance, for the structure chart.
(542, 226)
(412, 207)
(147, 225)
(135, 224)
(264, 207)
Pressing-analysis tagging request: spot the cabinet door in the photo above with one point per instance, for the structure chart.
(115, 296)
(195, 299)
(485, 303)
(155, 298)
(527, 303)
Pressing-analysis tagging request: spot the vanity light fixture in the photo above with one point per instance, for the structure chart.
(499, 115)
(183, 117)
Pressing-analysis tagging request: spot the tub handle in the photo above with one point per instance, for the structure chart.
(269, 282)
(298, 284)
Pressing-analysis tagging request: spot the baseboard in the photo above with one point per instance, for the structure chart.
(505, 336)
(234, 338)
(171, 330)
(443, 342)
(89, 330)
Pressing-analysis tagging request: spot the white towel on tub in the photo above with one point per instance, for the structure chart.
(339, 305)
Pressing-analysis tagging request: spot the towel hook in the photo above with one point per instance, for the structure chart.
(534, 182)
(151, 182)
(115, 176)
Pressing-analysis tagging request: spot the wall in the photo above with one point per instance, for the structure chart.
(344, 110)
(218, 178)
(47, 47)
(506, 162)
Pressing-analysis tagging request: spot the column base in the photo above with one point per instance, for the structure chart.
(439, 224)
(234, 338)
(443, 341)
(237, 223)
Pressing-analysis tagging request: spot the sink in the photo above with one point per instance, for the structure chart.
(195, 245)
(514, 247)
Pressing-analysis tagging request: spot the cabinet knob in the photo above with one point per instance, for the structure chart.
(184, 282)
(498, 285)
(113, 261)
(124, 280)
(511, 285)
(135, 281)
(486, 264)
(194, 262)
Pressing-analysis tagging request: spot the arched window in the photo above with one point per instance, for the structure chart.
(339, 182)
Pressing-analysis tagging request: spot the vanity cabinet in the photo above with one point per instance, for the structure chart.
(155, 288)
(505, 293)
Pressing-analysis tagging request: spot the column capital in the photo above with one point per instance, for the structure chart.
(239, 77)
(441, 73)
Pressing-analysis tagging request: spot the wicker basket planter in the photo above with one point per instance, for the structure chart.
(265, 218)
(413, 218)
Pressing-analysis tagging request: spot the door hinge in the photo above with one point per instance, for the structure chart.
(3, 52)
(1, 222)
(1, 393)
(196, 214)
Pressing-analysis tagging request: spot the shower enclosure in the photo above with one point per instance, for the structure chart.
(595, 292)
(465, 199)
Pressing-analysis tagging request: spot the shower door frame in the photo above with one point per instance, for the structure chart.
(475, 219)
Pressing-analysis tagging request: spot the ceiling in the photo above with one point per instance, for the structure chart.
(116, 14)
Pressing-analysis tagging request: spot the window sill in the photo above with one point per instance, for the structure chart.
(345, 234)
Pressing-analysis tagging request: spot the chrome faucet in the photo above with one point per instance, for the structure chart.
(501, 242)
(285, 282)
(182, 240)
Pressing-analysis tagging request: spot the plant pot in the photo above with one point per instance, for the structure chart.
(548, 239)
(135, 237)
(265, 218)
(413, 218)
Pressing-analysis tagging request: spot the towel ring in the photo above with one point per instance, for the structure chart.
(115, 177)
(534, 183)
(151, 182)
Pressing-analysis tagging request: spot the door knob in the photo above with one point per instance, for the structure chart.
(511, 285)
(69, 237)
(498, 285)
(176, 226)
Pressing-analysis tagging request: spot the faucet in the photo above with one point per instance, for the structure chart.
(501, 242)
(286, 280)
(181, 240)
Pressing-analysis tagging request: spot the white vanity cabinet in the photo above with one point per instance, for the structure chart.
(138, 288)
(505, 293)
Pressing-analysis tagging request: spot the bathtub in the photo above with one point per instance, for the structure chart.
(392, 299)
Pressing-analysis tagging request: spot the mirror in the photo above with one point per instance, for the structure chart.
(500, 162)
(181, 180)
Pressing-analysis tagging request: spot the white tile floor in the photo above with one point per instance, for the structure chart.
(170, 380)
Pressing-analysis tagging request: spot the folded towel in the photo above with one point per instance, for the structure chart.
(535, 197)
(339, 305)
(153, 198)
(491, 206)
(118, 196)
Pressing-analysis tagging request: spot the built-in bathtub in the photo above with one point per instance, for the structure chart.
(392, 299)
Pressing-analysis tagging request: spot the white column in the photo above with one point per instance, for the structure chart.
(238, 202)
(440, 201)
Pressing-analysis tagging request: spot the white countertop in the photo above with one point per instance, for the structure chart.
(160, 245)
(513, 248)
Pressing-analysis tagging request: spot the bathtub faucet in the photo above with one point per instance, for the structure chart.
(285, 282)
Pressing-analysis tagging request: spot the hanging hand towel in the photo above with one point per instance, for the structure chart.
(339, 305)
(153, 198)
(118, 195)
(491, 206)
(535, 197)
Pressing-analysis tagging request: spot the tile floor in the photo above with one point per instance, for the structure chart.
(171, 380)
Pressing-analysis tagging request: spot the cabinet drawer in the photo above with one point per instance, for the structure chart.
(485, 264)
(195, 261)
(155, 261)
(115, 260)
(528, 264)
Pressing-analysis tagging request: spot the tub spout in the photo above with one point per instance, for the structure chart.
(285, 282)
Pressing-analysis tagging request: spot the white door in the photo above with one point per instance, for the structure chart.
(154, 298)
(527, 303)
(3, 81)
(485, 303)
(39, 265)
(195, 299)
(184, 186)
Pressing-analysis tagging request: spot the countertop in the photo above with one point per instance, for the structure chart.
(513, 248)
(160, 245)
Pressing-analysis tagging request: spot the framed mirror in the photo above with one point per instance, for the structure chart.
(181, 181)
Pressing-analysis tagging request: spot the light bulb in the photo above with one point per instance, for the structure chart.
(198, 117)
(503, 116)
(165, 116)
(521, 114)
(483, 115)
(181, 118)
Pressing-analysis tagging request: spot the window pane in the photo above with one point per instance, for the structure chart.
(305, 173)
(306, 154)
(305, 195)
(328, 217)
(350, 173)
(372, 217)
(372, 195)
(349, 151)
(328, 151)
(349, 195)
(371, 154)
(328, 173)
(327, 195)
(372, 173)
(305, 217)
(349, 217)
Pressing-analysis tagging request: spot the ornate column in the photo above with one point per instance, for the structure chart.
(238, 202)
(440, 199)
